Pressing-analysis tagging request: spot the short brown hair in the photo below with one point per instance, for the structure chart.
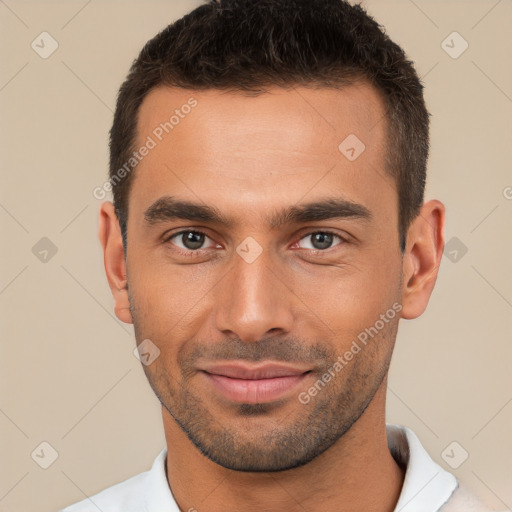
(252, 45)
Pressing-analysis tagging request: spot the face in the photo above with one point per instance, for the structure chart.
(260, 254)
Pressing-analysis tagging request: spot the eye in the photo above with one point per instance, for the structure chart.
(320, 240)
(189, 240)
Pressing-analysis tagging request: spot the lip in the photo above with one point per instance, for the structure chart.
(254, 384)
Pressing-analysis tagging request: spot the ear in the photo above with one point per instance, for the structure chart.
(114, 260)
(422, 257)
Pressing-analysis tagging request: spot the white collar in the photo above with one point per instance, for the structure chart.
(427, 486)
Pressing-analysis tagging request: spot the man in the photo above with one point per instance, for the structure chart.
(268, 231)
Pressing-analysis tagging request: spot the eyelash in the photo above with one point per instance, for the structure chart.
(198, 252)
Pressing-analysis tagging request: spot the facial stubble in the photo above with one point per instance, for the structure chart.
(267, 437)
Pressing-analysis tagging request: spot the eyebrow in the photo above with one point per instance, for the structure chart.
(168, 208)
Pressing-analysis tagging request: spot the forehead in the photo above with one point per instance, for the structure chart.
(265, 150)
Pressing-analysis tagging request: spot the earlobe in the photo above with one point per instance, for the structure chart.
(114, 260)
(425, 243)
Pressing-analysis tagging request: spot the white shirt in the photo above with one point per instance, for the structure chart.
(427, 486)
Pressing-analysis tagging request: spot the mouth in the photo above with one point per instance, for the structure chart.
(265, 382)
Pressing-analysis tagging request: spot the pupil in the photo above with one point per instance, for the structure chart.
(322, 240)
(193, 240)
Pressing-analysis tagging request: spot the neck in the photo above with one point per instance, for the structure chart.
(356, 473)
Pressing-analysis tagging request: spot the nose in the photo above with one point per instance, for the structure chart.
(253, 300)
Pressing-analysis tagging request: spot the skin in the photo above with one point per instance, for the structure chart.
(248, 157)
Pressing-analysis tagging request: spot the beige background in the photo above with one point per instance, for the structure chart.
(68, 373)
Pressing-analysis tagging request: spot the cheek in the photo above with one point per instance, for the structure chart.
(169, 297)
(349, 299)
